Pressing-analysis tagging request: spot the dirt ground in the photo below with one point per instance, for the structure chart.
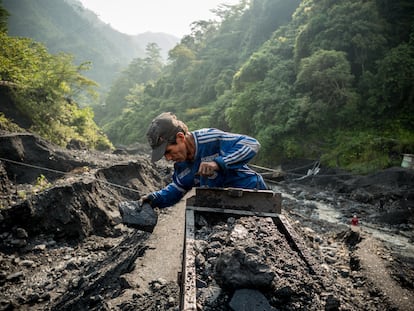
(63, 246)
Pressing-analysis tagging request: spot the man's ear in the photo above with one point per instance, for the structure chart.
(180, 135)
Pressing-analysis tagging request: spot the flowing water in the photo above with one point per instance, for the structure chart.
(327, 212)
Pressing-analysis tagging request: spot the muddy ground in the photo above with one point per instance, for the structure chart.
(63, 246)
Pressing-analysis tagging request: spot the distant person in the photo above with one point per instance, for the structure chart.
(354, 221)
(205, 157)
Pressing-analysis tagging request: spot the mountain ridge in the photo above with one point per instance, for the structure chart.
(67, 26)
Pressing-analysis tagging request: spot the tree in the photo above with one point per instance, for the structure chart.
(325, 77)
(153, 63)
(394, 91)
(181, 56)
(353, 27)
(3, 18)
(140, 71)
(399, 15)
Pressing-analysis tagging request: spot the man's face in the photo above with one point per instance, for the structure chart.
(176, 152)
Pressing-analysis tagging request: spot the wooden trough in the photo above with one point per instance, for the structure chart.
(231, 202)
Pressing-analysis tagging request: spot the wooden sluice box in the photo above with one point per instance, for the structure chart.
(218, 205)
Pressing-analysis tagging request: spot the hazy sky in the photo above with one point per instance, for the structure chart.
(138, 16)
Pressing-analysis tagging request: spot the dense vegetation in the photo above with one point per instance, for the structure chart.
(40, 86)
(326, 80)
(66, 26)
(320, 79)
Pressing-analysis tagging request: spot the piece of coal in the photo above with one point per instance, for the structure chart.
(142, 217)
(249, 300)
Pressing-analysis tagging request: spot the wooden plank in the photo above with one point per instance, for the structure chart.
(298, 244)
(265, 201)
(230, 211)
(189, 300)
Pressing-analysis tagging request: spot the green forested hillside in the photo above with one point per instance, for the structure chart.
(318, 79)
(66, 26)
(327, 80)
(37, 91)
(197, 83)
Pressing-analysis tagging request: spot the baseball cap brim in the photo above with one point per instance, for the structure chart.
(159, 151)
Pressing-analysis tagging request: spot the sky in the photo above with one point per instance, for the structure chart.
(169, 16)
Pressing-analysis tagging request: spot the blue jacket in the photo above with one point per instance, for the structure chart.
(230, 151)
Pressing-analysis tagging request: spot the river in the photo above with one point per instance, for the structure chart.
(327, 212)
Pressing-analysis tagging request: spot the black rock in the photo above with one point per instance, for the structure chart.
(142, 217)
(249, 299)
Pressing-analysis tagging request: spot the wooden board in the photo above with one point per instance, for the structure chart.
(261, 201)
(188, 296)
(297, 243)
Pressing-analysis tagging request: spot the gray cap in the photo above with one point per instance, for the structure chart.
(161, 132)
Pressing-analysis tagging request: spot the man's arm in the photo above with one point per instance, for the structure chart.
(236, 151)
(182, 182)
(167, 196)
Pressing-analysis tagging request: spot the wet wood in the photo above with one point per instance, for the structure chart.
(264, 201)
(188, 297)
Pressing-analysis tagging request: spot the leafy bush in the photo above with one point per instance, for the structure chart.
(365, 151)
(7, 125)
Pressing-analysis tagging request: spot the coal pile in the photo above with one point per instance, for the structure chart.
(247, 259)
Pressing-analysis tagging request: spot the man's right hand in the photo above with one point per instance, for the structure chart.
(207, 168)
(142, 200)
(145, 199)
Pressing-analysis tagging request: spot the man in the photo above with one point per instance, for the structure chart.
(206, 157)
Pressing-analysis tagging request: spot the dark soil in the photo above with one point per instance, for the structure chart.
(63, 246)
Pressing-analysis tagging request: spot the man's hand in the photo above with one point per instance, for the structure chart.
(144, 199)
(207, 168)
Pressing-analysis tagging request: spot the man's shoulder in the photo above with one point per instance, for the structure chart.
(207, 136)
(207, 131)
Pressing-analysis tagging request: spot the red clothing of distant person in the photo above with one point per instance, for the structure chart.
(354, 221)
